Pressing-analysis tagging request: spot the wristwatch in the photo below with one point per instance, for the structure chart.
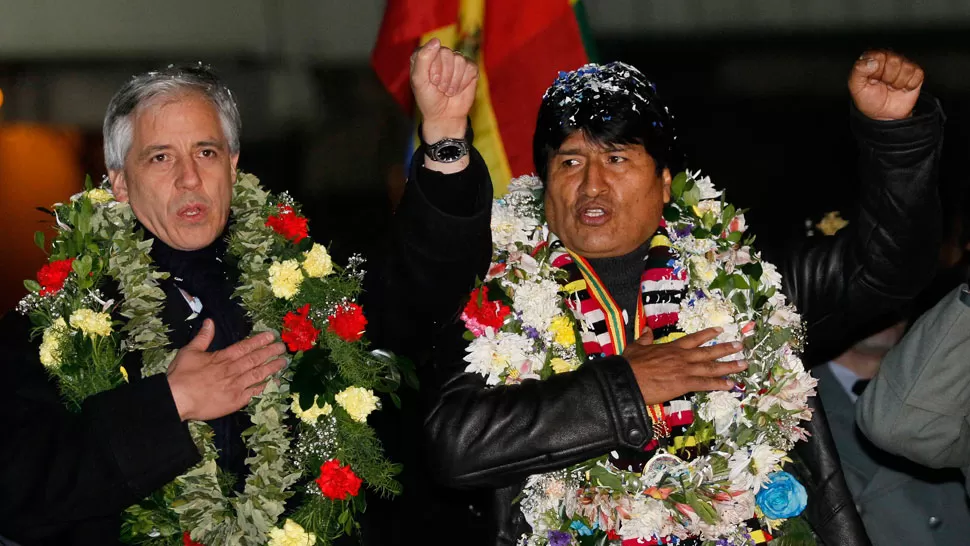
(446, 150)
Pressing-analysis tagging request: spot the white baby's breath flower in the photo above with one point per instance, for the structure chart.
(784, 317)
(692, 245)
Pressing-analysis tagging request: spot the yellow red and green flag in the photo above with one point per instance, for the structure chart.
(520, 46)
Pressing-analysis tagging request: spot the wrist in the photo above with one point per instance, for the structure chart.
(180, 399)
(434, 130)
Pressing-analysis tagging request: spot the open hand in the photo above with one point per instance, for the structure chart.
(885, 85)
(673, 369)
(210, 385)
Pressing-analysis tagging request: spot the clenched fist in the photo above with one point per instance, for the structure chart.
(885, 85)
(673, 369)
(443, 83)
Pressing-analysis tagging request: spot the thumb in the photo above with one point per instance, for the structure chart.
(868, 67)
(422, 58)
(203, 339)
(646, 338)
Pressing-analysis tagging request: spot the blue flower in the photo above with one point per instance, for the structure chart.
(581, 528)
(782, 496)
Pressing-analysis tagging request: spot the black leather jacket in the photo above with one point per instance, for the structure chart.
(493, 438)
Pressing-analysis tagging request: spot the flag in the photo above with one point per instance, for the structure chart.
(520, 46)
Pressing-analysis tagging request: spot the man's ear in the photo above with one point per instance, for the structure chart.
(667, 180)
(233, 161)
(119, 185)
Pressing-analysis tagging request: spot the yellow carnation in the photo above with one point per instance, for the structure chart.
(99, 196)
(292, 534)
(562, 330)
(124, 373)
(309, 416)
(317, 261)
(831, 223)
(285, 278)
(50, 347)
(91, 322)
(358, 402)
(560, 365)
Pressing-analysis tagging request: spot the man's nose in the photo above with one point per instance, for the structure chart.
(594, 181)
(188, 176)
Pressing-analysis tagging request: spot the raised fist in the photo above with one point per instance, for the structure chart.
(443, 83)
(885, 85)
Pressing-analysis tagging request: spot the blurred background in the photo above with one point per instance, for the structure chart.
(758, 88)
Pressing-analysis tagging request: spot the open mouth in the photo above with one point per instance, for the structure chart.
(192, 212)
(594, 215)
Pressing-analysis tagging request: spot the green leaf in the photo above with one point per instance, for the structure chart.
(677, 185)
(727, 214)
(39, 239)
(703, 509)
(671, 213)
(603, 477)
(701, 233)
(740, 281)
(32, 285)
(753, 270)
(468, 336)
(692, 194)
(735, 236)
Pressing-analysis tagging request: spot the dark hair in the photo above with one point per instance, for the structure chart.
(610, 104)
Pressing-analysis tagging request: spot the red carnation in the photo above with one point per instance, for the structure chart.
(480, 313)
(338, 482)
(298, 331)
(348, 322)
(288, 224)
(52, 276)
(187, 541)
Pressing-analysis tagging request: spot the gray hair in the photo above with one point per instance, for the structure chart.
(118, 122)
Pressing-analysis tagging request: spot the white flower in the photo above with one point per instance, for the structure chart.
(648, 518)
(770, 275)
(91, 322)
(493, 354)
(793, 395)
(721, 408)
(309, 416)
(525, 183)
(692, 245)
(541, 494)
(703, 270)
(710, 206)
(509, 228)
(523, 261)
(785, 317)
(709, 312)
(705, 186)
(764, 460)
(292, 534)
(538, 301)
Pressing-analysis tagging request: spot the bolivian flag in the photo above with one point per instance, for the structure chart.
(520, 47)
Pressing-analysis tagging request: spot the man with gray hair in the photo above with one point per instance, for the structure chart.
(171, 141)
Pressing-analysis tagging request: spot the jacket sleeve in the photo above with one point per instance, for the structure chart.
(918, 405)
(439, 242)
(839, 284)
(59, 467)
(495, 436)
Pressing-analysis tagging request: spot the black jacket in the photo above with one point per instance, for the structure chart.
(65, 477)
(493, 438)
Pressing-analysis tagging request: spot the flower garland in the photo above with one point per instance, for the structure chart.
(524, 322)
(287, 283)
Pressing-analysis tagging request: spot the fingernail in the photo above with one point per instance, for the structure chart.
(736, 345)
(451, 90)
(873, 81)
(871, 64)
(729, 384)
(718, 329)
(435, 79)
(742, 364)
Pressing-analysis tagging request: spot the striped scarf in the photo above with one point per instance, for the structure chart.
(663, 286)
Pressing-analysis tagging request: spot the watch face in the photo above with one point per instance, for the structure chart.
(448, 150)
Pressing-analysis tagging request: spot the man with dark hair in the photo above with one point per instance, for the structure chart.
(605, 150)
